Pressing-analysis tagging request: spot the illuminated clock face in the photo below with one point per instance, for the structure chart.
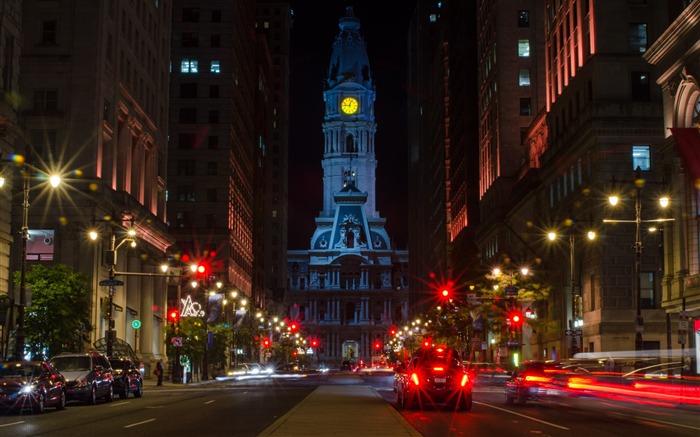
(349, 105)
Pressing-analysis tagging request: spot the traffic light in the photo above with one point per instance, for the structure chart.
(293, 327)
(377, 345)
(446, 291)
(515, 319)
(314, 343)
(392, 331)
(266, 343)
(173, 316)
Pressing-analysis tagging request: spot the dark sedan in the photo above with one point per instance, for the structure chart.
(127, 378)
(435, 375)
(31, 384)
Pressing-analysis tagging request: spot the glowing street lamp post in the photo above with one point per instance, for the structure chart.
(638, 247)
(54, 181)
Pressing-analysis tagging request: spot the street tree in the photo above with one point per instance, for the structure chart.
(58, 319)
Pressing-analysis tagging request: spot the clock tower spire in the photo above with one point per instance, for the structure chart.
(349, 126)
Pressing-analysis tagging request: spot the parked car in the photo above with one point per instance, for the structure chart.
(89, 376)
(127, 377)
(31, 384)
(533, 380)
(434, 375)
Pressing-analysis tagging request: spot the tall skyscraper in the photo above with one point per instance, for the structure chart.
(217, 131)
(351, 286)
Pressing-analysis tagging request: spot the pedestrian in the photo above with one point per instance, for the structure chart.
(159, 371)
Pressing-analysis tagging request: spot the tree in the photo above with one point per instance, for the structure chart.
(58, 319)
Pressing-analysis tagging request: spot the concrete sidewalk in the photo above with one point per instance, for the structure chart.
(342, 410)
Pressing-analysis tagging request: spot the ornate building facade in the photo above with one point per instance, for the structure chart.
(351, 285)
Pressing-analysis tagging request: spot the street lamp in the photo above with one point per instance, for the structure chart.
(575, 321)
(638, 247)
(112, 282)
(54, 181)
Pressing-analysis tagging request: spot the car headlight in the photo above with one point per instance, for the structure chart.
(27, 389)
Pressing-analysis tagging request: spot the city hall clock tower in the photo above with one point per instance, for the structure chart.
(349, 125)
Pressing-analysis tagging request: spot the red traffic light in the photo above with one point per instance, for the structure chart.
(266, 342)
(173, 315)
(377, 345)
(293, 326)
(515, 320)
(392, 331)
(314, 343)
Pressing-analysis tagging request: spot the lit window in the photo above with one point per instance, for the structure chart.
(524, 77)
(215, 67)
(189, 66)
(524, 48)
(433, 18)
(641, 157)
(638, 37)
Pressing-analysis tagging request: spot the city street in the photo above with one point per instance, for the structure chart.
(248, 407)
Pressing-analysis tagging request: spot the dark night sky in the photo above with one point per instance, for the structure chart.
(384, 27)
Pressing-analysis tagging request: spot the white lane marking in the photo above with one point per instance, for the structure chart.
(523, 415)
(12, 423)
(119, 403)
(139, 423)
(654, 420)
(209, 402)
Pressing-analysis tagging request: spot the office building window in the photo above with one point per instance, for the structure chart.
(524, 77)
(641, 88)
(524, 48)
(188, 115)
(45, 100)
(211, 194)
(189, 66)
(190, 39)
(215, 67)
(213, 116)
(187, 141)
(185, 193)
(49, 30)
(215, 41)
(213, 142)
(638, 37)
(188, 90)
(185, 167)
(216, 16)
(641, 157)
(213, 91)
(523, 18)
(525, 106)
(647, 294)
(212, 168)
(190, 15)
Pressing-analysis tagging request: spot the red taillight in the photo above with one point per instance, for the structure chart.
(534, 378)
(438, 369)
(414, 378)
(465, 380)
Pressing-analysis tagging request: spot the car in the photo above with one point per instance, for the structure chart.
(534, 380)
(487, 373)
(434, 375)
(31, 384)
(89, 376)
(127, 378)
(347, 366)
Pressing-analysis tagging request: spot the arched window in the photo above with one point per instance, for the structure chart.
(350, 144)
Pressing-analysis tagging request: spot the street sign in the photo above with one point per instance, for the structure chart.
(511, 291)
(177, 341)
(136, 324)
(111, 283)
(512, 343)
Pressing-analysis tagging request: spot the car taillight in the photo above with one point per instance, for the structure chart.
(438, 369)
(465, 380)
(414, 378)
(534, 378)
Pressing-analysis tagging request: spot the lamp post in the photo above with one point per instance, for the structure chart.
(112, 282)
(638, 248)
(574, 322)
(54, 181)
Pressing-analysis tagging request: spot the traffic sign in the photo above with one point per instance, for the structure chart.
(136, 324)
(177, 341)
(111, 283)
(511, 291)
